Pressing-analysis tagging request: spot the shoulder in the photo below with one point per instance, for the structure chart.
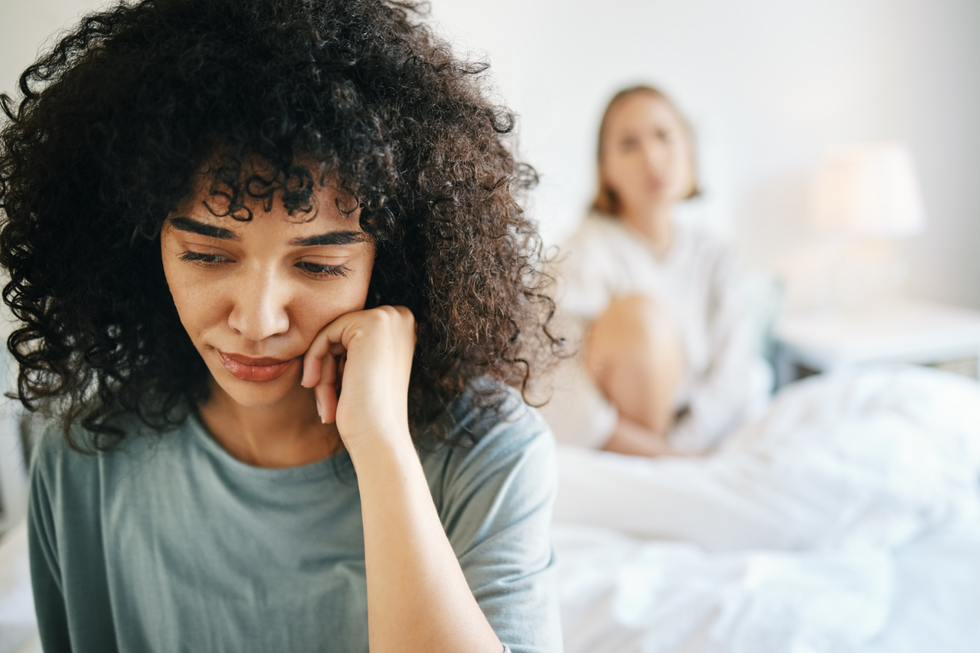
(508, 446)
(64, 468)
(54, 459)
(493, 435)
(596, 232)
(600, 260)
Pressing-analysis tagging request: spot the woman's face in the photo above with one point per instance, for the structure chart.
(252, 295)
(646, 157)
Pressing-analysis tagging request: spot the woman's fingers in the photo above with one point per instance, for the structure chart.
(369, 353)
(313, 357)
(325, 391)
(323, 370)
(377, 348)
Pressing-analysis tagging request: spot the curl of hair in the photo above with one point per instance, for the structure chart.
(118, 117)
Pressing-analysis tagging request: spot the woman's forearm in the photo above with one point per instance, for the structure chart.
(418, 598)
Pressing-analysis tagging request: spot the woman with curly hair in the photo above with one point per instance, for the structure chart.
(274, 286)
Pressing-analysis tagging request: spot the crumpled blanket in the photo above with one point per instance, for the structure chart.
(621, 594)
(783, 540)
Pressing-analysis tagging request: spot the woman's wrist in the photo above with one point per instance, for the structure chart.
(390, 444)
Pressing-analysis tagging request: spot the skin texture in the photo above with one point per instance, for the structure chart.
(634, 351)
(255, 289)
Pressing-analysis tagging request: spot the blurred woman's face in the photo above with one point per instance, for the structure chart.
(645, 154)
(252, 295)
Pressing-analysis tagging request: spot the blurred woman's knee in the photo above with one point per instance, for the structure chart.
(632, 328)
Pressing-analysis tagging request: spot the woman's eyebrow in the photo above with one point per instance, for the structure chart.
(202, 228)
(330, 238)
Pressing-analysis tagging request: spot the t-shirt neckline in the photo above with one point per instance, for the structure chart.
(309, 471)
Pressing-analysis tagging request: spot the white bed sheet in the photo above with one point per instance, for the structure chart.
(936, 605)
(844, 520)
(620, 594)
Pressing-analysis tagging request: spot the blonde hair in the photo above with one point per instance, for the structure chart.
(605, 198)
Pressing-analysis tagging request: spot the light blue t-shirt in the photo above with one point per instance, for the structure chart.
(168, 543)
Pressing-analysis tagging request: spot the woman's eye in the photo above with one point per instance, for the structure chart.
(317, 270)
(665, 136)
(206, 259)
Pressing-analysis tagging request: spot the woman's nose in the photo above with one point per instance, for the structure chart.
(259, 310)
(654, 156)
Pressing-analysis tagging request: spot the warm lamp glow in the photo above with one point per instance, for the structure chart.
(869, 190)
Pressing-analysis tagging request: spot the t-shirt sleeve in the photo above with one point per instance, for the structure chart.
(49, 600)
(590, 269)
(495, 503)
(64, 541)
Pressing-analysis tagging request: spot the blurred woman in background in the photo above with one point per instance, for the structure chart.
(669, 360)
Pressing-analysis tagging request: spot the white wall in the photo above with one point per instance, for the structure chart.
(768, 84)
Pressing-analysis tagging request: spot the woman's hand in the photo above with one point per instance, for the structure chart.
(408, 559)
(370, 354)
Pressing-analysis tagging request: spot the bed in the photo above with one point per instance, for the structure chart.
(845, 519)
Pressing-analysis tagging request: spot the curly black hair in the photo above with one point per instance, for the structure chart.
(116, 119)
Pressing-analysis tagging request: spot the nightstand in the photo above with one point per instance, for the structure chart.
(922, 333)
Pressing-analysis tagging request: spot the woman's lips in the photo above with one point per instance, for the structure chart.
(254, 369)
(655, 183)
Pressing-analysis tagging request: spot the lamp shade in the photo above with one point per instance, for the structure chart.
(869, 190)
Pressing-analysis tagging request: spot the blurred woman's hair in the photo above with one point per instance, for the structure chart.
(605, 198)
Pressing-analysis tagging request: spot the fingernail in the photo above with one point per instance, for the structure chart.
(319, 411)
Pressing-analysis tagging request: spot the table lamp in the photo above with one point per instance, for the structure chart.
(867, 195)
